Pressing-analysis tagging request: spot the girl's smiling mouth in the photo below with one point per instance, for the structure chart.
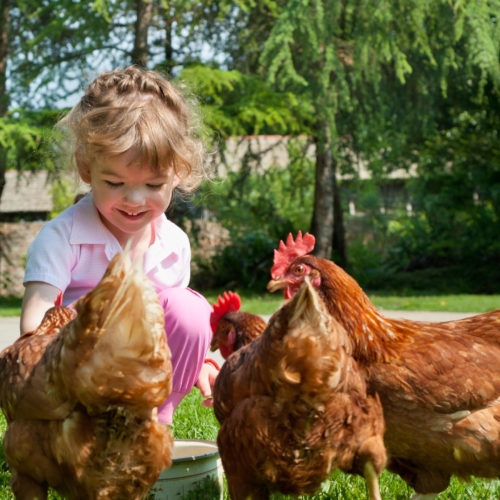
(131, 215)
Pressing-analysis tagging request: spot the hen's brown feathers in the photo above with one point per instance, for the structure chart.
(292, 406)
(114, 351)
(24, 372)
(439, 383)
(235, 330)
(80, 396)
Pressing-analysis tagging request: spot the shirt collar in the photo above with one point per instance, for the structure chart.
(89, 229)
(163, 246)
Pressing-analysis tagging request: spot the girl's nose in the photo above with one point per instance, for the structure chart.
(134, 196)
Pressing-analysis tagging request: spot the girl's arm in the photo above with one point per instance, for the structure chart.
(38, 298)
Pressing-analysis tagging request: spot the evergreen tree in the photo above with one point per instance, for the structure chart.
(341, 54)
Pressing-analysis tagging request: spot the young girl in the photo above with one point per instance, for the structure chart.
(133, 144)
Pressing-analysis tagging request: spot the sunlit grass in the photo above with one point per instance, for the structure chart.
(445, 303)
(10, 306)
(194, 421)
(268, 303)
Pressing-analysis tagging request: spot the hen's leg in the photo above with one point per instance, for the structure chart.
(426, 483)
(25, 488)
(371, 478)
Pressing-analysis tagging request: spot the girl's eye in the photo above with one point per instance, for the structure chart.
(156, 187)
(299, 270)
(113, 184)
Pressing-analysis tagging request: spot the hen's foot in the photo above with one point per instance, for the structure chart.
(371, 478)
(420, 496)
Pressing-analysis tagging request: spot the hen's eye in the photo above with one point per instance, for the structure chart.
(299, 270)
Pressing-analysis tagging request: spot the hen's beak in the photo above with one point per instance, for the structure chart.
(215, 344)
(276, 284)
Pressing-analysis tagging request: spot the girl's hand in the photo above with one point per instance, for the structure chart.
(206, 382)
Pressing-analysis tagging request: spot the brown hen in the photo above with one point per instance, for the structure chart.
(80, 394)
(439, 383)
(231, 327)
(292, 407)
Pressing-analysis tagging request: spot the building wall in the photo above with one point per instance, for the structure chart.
(15, 239)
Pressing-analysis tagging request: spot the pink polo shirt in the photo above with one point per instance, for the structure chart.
(72, 252)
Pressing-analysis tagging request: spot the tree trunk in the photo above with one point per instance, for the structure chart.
(169, 50)
(323, 214)
(144, 16)
(4, 97)
(339, 240)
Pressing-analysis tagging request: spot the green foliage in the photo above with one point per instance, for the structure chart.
(334, 48)
(240, 31)
(63, 190)
(54, 43)
(244, 263)
(353, 62)
(275, 200)
(259, 209)
(456, 196)
(24, 135)
(469, 278)
(235, 104)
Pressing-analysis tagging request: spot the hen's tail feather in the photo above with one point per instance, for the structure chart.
(308, 352)
(114, 352)
(309, 308)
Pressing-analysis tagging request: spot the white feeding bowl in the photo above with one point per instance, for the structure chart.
(196, 466)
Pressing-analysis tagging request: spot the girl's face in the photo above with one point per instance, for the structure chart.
(128, 196)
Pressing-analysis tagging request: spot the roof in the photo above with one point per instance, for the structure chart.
(29, 192)
(264, 151)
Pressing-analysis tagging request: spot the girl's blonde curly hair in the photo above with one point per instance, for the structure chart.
(138, 110)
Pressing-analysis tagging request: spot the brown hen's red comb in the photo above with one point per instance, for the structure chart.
(58, 301)
(286, 253)
(229, 302)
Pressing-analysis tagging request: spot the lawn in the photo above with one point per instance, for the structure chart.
(267, 303)
(193, 421)
(10, 306)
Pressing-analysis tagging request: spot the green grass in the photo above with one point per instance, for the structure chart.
(10, 306)
(448, 303)
(194, 421)
(268, 303)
